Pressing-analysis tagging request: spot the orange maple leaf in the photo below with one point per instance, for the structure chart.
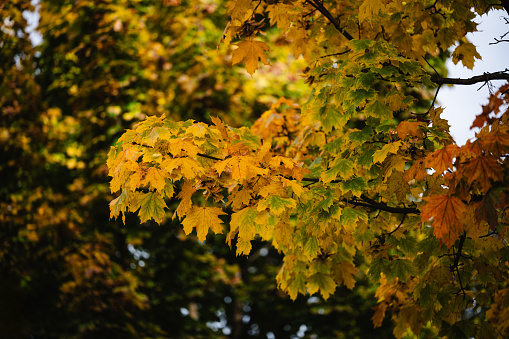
(482, 169)
(412, 128)
(250, 51)
(417, 171)
(447, 213)
(496, 143)
(441, 159)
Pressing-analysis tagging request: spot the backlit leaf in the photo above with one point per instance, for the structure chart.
(203, 219)
(250, 51)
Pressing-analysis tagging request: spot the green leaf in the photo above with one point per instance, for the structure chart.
(366, 159)
(322, 282)
(311, 247)
(400, 268)
(342, 167)
(276, 204)
(349, 216)
(330, 116)
(298, 285)
(378, 109)
(376, 267)
(361, 136)
(425, 295)
(152, 206)
(355, 185)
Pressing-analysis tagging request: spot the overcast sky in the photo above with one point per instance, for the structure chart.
(462, 103)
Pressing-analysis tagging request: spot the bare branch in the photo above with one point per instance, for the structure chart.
(318, 6)
(502, 75)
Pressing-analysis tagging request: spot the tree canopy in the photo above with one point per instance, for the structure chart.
(362, 179)
(316, 151)
(66, 270)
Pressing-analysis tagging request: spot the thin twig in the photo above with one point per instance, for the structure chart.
(329, 17)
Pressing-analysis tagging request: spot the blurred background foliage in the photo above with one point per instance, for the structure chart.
(66, 270)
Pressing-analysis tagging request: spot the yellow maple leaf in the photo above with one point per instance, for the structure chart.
(221, 127)
(183, 144)
(345, 272)
(185, 199)
(466, 53)
(250, 51)
(369, 8)
(296, 188)
(438, 122)
(240, 10)
(203, 219)
(240, 167)
(381, 154)
(155, 177)
(190, 168)
(240, 198)
(197, 130)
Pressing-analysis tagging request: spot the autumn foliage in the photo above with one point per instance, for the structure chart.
(360, 180)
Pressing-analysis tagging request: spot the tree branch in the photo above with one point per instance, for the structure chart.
(381, 206)
(502, 75)
(318, 6)
(366, 201)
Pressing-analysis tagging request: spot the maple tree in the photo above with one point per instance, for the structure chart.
(66, 271)
(358, 181)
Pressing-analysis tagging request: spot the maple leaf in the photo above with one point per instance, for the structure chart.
(203, 219)
(250, 51)
(482, 169)
(345, 272)
(321, 282)
(466, 53)
(379, 315)
(240, 10)
(496, 143)
(412, 128)
(240, 198)
(370, 8)
(189, 168)
(378, 109)
(441, 159)
(311, 248)
(156, 178)
(185, 195)
(151, 206)
(417, 171)
(381, 154)
(243, 222)
(276, 204)
(438, 122)
(344, 167)
(296, 188)
(221, 127)
(447, 213)
(494, 199)
(118, 205)
(241, 167)
(298, 285)
(183, 144)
